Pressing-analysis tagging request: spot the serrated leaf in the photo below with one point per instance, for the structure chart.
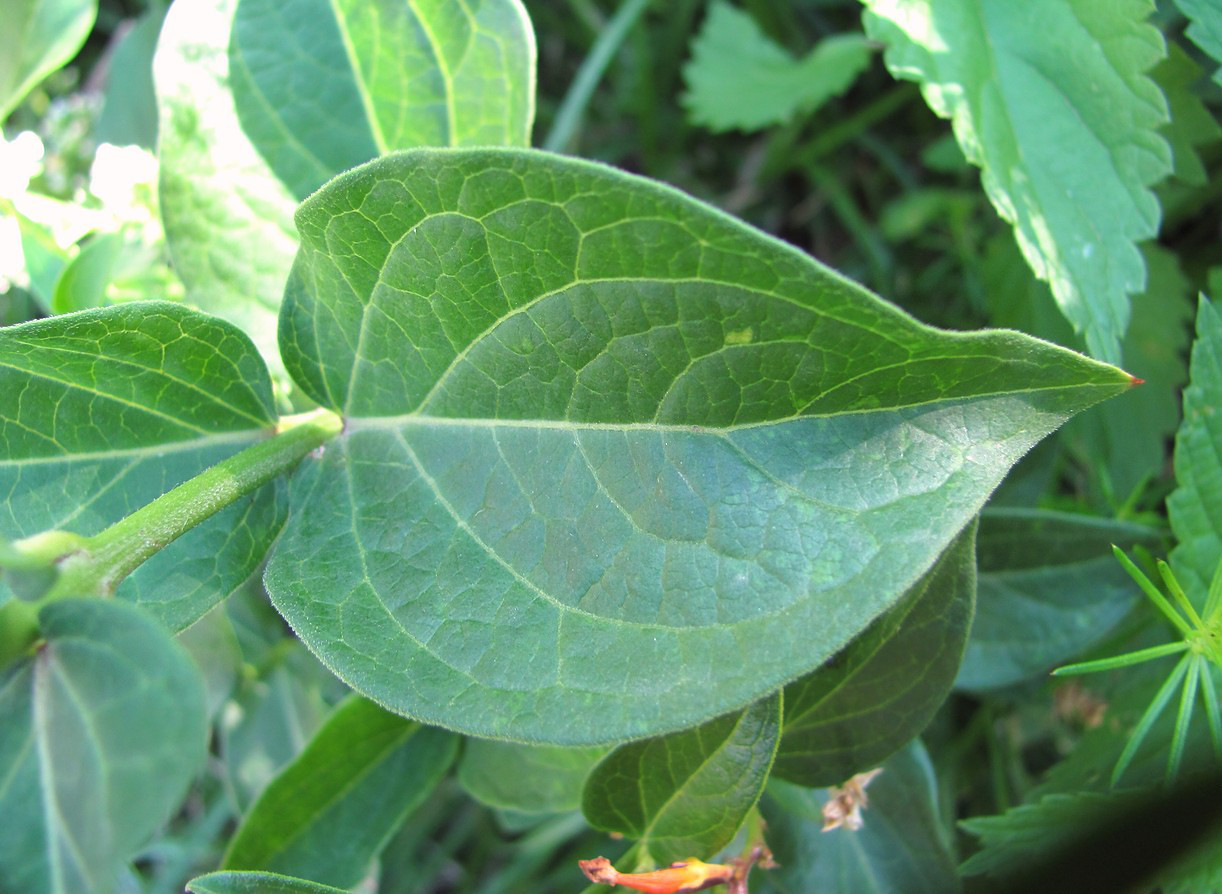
(38, 38)
(263, 101)
(1205, 28)
(615, 463)
(103, 730)
(1191, 123)
(900, 846)
(1050, 99)
(688, 793)
(738, 78)
(328, 814)
(1195, 506)
(1048, 589)
(103, 411)
(256, 883)
(526, 778)
(883, 689)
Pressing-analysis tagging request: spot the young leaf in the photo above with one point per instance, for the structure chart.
(1048, 589)
(1195, 507)
(526, 778)
(1050, 99)
(103, 411)
(104, 727)
(330, 812)
(687, 793)
(739, 79)
(882, 690)
(614, 462)
(256, 883)
(39, 37)
(261, 102)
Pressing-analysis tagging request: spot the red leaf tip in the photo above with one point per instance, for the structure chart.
(1133, 380)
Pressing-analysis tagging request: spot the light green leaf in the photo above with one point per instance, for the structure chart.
(900, 847)
(39, 37)
(1195, 507)
(526, 778)
(1205, 28)
(1050, 99)
(1048, 589)
(738, 78)
(129, 103)
(330, 812)
(686, 794)
(263, 101)
(103, 730)
(615, 463)
(103, 411)
(884, 688)
(1191, 122)
(256, 883)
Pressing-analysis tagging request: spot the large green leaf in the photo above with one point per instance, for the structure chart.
(739, 78)
(884, 688)
(256, 883)
(688, 793)
(1195, 507)
(526, 778)
(615, 463)
(38, 37)
(1050, 99)
(900, 847)
(329, 813)
(263, 101)
(103, 729)
(103, 411)
(1048, 589)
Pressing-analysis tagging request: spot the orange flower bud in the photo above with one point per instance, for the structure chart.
(681, 877)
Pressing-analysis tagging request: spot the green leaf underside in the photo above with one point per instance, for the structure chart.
(615, 463)
(1195, 506)
(1048, 588)
(103, 411)
(902, 667)
(686, 793)
(1050, 99)
(103, 729)
(739, 78)
(39, 37)
(330, 812)
(256, 883)
(261, 102)
(526, 778)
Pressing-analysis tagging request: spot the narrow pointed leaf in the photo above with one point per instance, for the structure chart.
(329, 813)
(686, 794)
(103, 411)
(103, 730)
(884, 688)
(256, 883)
(1050, 98)
(38, 38)
(615, 463)
(526, 778)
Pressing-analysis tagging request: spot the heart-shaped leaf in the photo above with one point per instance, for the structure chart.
(615, 463)
(103, 411)
(103, 729)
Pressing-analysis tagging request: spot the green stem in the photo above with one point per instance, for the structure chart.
(590, 73)
(18, 630)
(116, 552)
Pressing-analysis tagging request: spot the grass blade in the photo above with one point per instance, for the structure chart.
(1126, 660)
(1187, 701)
(1178, 594)
(1152, 714)
(1150, 590)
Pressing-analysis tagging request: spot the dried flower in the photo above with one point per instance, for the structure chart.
(844, 806)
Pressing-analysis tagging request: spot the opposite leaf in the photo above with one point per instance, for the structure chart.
(103, 411)
(688, 793)
(103, 729)
(615, 463)
(883, 689)
(1050, 99)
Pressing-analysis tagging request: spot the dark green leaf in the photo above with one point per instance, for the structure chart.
(1205, 28)
(1050, 98)
(330, 812)
(39, 37)
(615, 463)
(103, 411)
(901, 846)
(256, 883)
(884, 688)
(740, 79)
(103, 729)
(688, 793)
(526, 778)
(1048, 589)
(1192, 124)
